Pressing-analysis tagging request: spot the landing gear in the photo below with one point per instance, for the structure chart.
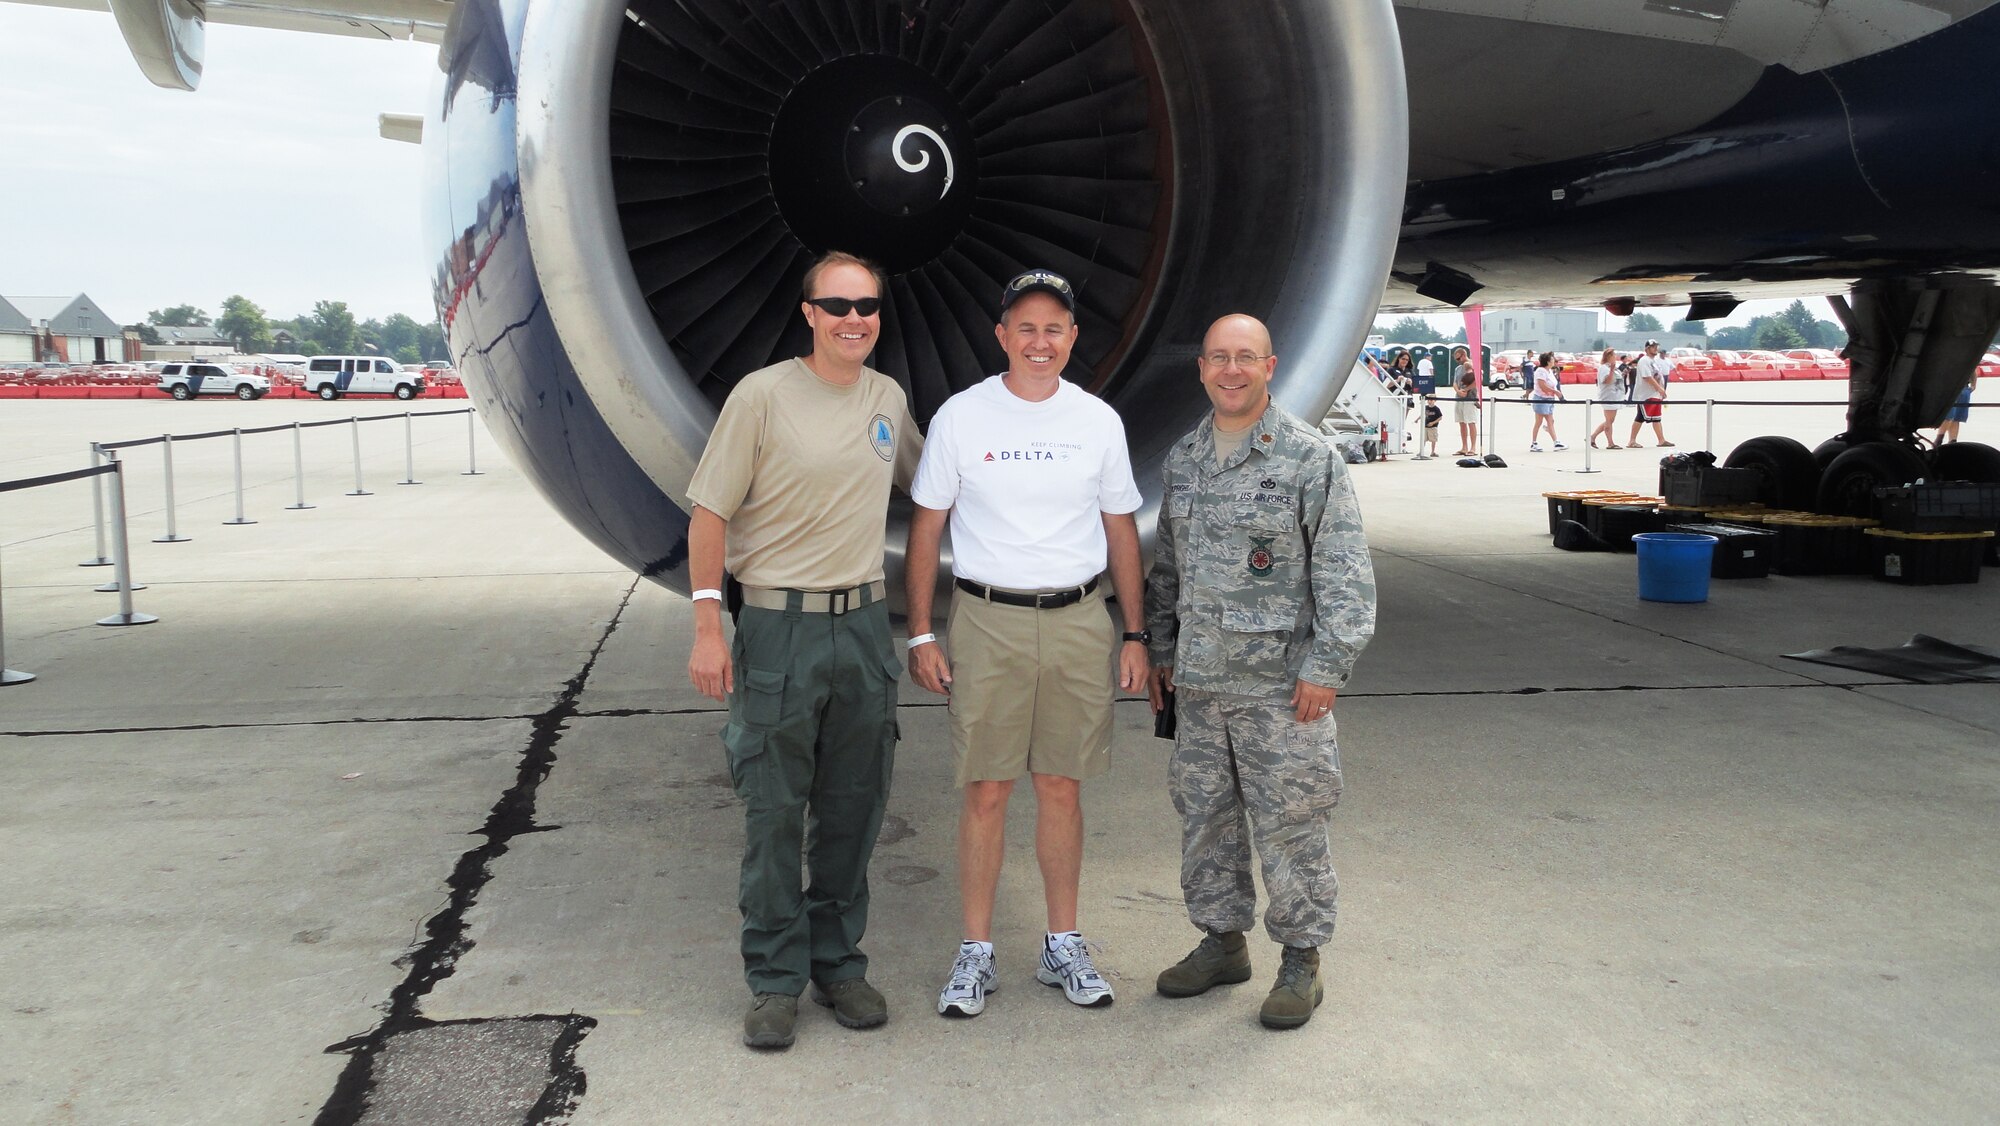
(1912, 342)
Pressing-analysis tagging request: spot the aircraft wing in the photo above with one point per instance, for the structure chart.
(421, 20)
(1801, 35)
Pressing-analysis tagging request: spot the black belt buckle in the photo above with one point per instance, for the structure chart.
(838, 602)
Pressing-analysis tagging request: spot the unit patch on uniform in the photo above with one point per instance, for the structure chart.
(882, 436)
(1260, 555)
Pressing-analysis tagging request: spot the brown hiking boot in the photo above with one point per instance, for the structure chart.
(1221, 959)
(855, 1003)
(769, 1021)
(1298, 991)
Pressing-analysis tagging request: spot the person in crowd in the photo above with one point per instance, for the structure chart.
(1610, 392)
(1465, 384)
(1433, 415)
(1402, 383)
(1260, 599)
(1961, 411)
(1031, 471)
(1545, 391)
(792, 494)
(1649, 391)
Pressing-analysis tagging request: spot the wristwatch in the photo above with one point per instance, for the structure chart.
(1144, 637)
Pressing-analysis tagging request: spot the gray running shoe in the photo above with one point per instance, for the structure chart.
(964, 994)
(1069, 965)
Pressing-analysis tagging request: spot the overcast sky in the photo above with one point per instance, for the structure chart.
(270, 181)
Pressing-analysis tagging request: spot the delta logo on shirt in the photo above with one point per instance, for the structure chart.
(1037, 451)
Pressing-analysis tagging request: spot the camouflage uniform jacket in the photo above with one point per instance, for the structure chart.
(1260, 570)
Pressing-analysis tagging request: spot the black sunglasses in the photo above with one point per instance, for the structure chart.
(840, 306)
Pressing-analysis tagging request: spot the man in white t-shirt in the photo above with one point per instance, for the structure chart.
(1033, 475)
(1649, 391)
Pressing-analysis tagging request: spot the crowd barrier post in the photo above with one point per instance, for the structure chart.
(122, 561)
(471, 446)
(167, 469)
(9, 676)
(240, 518)
(1590, 408)
(360, 490)
(298, 469)
(97, 508)
(409, 453)
(1708, 439)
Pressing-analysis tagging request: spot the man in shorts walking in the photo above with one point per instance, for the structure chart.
(793, 492)
(1649, 390)
(1033, 476)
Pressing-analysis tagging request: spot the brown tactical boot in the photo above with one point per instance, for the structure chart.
(855, 1003)
(1298, 991)
(769, 1021)
(1221, 959)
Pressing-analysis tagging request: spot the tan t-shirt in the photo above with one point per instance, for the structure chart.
(1228, 441)
(800, 469)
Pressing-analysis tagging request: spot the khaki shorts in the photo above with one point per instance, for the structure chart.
(1030, 689)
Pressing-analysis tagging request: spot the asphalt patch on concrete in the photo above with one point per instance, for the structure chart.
(520, 1071)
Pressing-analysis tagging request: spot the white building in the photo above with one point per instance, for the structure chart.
(1569, 330)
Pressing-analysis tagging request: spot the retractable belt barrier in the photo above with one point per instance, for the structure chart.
(113, 543)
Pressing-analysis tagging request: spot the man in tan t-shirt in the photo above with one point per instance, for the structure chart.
(792, 494)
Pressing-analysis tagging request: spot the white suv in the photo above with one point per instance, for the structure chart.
(330, 377)
(186, 380)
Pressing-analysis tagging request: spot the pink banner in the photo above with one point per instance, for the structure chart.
(1473, 317)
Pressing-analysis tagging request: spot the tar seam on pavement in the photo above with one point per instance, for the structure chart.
(446, 942)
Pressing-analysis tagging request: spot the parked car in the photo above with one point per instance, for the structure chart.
(1824, 357)
(186, 380)
(331, 377)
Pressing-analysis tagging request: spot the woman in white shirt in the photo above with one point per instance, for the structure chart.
(1610, 392)
(1547, 390)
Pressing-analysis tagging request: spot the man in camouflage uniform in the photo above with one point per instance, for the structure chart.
(1260, 598)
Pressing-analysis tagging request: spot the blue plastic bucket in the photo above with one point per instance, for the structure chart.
(1673, 566)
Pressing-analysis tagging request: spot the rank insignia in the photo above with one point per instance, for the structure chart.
(1260, 555)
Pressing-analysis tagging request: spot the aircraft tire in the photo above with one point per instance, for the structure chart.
(1791, 475)
(1966, 461)
(1825, 452)
(1847, 488)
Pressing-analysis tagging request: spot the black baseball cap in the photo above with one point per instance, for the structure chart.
(1044, 281)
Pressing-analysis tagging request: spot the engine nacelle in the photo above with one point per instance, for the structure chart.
(627, 194)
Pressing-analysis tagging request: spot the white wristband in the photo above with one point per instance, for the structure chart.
(920, 639)
(708, 592)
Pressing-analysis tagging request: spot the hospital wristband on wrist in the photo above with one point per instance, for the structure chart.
(920, 639)
(706, 592)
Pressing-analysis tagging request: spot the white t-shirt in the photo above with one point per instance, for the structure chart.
(1027, 484)
(1426, 369)
(1656, 369)
(1547, 384)
(1608, 389)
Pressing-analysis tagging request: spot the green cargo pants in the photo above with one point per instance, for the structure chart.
(811, 739)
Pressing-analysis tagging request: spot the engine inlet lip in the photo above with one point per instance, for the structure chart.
(569, 206)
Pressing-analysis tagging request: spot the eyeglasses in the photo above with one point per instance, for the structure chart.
(841, 306)
(1240, 359)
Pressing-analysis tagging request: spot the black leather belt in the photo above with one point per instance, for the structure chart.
(1053, 601)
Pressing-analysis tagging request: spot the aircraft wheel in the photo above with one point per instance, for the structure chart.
(1824, 453)
(1848, 486)
(1791, 476)
(1966, 461)
(328, 393)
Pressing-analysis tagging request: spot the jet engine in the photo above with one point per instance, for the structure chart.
(626, 195)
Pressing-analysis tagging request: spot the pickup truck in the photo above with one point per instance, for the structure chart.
(187, 380)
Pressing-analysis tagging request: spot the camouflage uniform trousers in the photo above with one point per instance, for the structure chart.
(1245, 771)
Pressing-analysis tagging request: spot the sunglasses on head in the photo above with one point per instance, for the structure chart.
(841, 306)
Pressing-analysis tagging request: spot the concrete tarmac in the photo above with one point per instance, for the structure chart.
(404, 811)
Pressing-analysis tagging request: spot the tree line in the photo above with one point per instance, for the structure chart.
(329, 328)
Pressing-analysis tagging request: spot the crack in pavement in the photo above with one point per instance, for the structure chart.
(446, 939)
